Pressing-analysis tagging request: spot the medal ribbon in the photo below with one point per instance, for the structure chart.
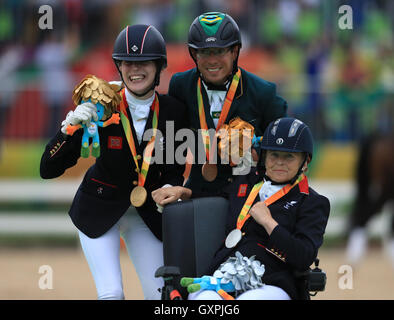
(226, 108)
(129, 136)
(244, 215)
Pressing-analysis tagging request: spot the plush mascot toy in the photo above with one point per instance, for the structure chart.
(209, 283)
(106, 98)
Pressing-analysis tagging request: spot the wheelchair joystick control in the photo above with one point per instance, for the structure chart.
(169, 291)
(317, 278)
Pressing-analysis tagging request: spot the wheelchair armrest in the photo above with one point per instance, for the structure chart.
(167, 272)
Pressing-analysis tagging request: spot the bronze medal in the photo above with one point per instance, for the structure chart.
(209, 171)
(138, 196)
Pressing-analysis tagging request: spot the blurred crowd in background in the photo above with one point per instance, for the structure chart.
(340, 82)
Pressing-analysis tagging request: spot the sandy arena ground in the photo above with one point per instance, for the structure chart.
(19, 276)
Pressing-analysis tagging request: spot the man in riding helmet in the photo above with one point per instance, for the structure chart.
(222, 90)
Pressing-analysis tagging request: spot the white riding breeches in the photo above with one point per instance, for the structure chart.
(144, 249)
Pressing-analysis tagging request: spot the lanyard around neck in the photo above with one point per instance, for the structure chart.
(226, 108)
(130, 139)
(244, 215)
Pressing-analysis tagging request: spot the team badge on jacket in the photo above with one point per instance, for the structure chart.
(114, 142)
(242, 190)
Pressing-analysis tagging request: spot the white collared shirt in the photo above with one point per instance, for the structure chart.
(216, 101)
(267, 190)
(139, 110)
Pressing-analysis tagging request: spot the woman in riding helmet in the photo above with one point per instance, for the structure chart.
(273, 214)
(114, 198)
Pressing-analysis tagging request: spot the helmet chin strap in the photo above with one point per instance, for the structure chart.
(300, 171)
(229, 77)
(155, 82)
(291, 181)
(152, 87)
(212, 86)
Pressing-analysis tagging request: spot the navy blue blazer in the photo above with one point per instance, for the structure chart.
(302, 216)
(104, 194)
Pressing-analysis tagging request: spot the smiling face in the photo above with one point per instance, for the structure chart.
(215, 64)
(283, 166)
(138, 75)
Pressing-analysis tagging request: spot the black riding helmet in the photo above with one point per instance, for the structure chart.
(214, 30)
(288, 135)
(141, 42)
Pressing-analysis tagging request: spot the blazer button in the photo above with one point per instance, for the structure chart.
(230, 180)
(138, 157)
(135, 183)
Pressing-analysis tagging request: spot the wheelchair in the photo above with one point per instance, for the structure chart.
(193, 230)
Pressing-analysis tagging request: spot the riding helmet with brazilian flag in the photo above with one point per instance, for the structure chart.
(214, 30)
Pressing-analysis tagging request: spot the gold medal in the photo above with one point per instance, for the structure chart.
(138, 196)
(209, 171)
(97, 90)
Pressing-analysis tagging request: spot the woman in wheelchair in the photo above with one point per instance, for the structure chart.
(273, 215)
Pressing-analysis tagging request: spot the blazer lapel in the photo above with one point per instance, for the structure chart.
(207, 109)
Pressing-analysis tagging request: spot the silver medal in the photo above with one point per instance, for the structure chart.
(233, 238)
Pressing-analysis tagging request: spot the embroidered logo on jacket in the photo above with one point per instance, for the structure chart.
(289, 204)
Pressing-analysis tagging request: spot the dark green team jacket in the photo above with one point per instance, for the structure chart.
(255, 101)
